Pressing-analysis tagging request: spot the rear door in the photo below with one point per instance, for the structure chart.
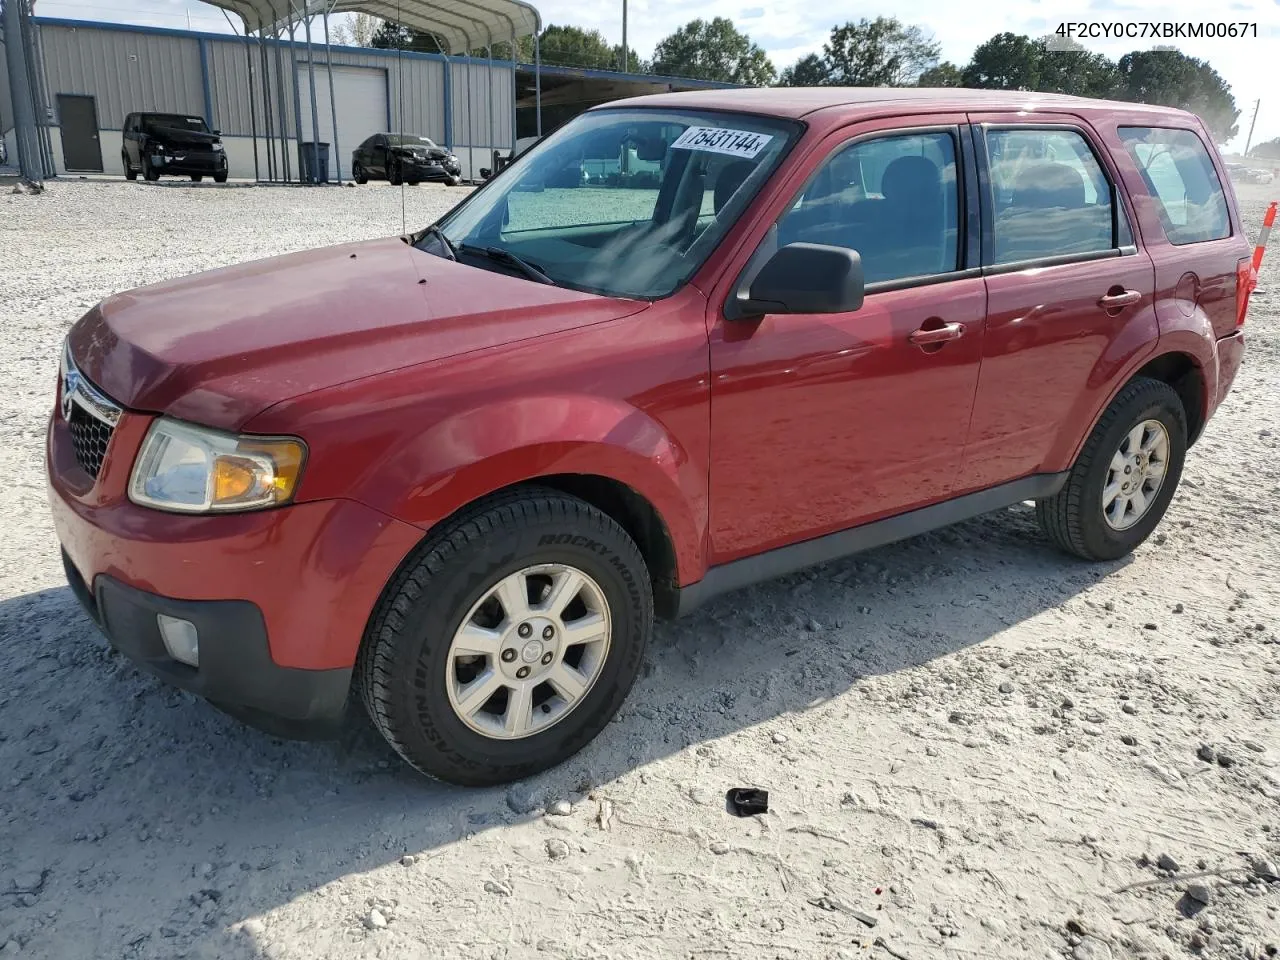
(1065, 284)
(823, 422)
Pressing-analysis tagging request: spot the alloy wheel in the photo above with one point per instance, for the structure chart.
(1135, 474)
(529, 651)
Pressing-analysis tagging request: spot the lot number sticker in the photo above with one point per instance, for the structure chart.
(736, 143)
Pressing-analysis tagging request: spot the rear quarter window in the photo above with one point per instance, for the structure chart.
(1180, 176)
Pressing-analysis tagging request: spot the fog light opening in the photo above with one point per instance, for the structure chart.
(180, 638)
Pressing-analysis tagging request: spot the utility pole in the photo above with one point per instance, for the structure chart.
(1249, 139)
(624, 36)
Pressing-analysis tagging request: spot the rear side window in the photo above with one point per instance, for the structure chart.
(894, 199)
(1180, 176)
(1050, 197)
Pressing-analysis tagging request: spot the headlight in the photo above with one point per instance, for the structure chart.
(217, 148)
(192, 469)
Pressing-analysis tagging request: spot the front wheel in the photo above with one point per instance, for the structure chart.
(1122, 482)
(509, 641)
(149, 172)
(129, 172)
(197, 177)
(220, 177)
(394, 176)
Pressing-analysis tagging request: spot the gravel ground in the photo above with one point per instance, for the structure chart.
(974, 746)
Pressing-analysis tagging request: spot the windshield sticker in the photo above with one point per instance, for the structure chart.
(735, 143)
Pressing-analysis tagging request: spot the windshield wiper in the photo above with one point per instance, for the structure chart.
(434, 231)
(532, 272)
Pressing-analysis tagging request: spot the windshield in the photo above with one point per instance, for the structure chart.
(620, 202)
(175, 120)
(404, 140)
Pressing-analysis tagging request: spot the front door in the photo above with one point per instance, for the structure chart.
(1064, 281)
(78, 118)
(823, 422)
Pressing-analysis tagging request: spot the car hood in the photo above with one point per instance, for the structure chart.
(220, 347)
(179, 137)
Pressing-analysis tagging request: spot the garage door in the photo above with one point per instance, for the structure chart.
(361, 96)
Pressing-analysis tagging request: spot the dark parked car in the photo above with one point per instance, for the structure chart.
(171, 144)
(461, 471)
(401, 158)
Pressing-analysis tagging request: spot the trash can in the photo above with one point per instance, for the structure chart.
(314, 156)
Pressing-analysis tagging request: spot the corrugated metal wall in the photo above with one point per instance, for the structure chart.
(129, 70)
(6, 104)
(124, 70)
(487, 126)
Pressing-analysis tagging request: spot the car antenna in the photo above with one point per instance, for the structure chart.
(400, 92)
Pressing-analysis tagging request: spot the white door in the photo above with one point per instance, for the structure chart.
(361, 97)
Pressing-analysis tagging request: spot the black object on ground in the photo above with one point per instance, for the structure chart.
(747, 801)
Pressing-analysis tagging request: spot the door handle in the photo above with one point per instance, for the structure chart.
(935, 335)
(1114, 301)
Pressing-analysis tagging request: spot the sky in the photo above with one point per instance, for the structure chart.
(789, 29)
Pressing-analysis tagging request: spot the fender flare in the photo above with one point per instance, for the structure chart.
(483, 450)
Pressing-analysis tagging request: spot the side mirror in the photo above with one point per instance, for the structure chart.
(217, 133)
(802, 278)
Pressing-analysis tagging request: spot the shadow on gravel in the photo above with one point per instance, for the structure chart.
(153, 822)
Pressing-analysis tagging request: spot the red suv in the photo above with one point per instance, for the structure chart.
(686, 343)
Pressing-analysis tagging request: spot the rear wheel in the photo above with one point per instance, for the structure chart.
(220, 177)
(509, 641)
(358, 174)
(129, 172)
(1122, 482)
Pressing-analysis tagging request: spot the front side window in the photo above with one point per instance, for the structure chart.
(621, 202)
(1180, 176)
(1049, 196)
(894, 199)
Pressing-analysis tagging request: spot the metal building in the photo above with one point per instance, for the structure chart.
(88, 76)
(96, 73)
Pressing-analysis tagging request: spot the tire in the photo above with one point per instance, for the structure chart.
(358, 174)
(149, 173)
(197, 177)
(405, 671)
(129, 172)
(393, 174)
(454, 181)
(1074, 518)
(220, 177)
(414, 183)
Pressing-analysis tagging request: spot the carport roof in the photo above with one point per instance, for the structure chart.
(459, 25)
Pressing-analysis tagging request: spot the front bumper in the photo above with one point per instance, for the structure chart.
(236, 672)
(188, 163)
(284, 594)
(425, 171)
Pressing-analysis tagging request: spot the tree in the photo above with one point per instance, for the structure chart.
(1008, 61)
(396, 36)
(1173, 79)
(358, 31)
(1268, 151)
(945, 74)
(808, 71)
(882, 52)
(713, 50)
(1067, 67)
(575, 47)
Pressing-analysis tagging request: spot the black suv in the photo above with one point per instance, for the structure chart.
(400, 158)
(171, 143)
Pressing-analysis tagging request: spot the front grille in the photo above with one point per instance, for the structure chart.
(90, 414)
(90, 437)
